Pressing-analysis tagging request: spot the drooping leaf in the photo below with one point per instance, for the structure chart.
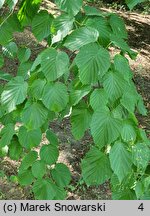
(70, 6)
(141, 107)
(55, 96)
(128, 132)
(7, 29)
(118, 26)
(24, 54)
(114, 85)
(119, 42)
(105, 128)
(132, 3)
(93, 62)
(14, 93)
(52, 138)
(129, 99)
(121, 64)
(29, 138)
(28, 160)
(102, 26)
(6, 135)
(49, 154)
(80, 121)
(25, 15)
(34, 115)
(98, 99)
(61, 175)
(37, 87)
(141, 155)
(77, 94)
(44, 189)
(10, 50)
(80, 37)
(15, 149)
(41, 25)
(5, 76)
(95, 167)
(61, 27)
(61, 194)
(92, 11)
(25, 177)
(120, 160)
(54, 64)
(24, 70)
(38, 169)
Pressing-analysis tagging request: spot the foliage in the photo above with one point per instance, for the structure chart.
(74, 72)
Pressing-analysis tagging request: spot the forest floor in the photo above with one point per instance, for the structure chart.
(72, 151)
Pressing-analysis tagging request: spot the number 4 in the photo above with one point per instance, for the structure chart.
(141, 207)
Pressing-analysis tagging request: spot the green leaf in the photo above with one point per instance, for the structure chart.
(1, 61)
(14, 93)
(38, 169)
(139, 189)
(125, 194)
(36, 62)
(25, 178)
(10, 50)
(49, 154)
(122, 65)
(80, 121)
(6, 135)
(61, 27)
(114, 85)
(77, 94)
(118, 26)
(93, 62)
(24, 54)
(98, 99)
(132, 3)
(55, 96)
(119, 42)
(34, 115)
(24, 70)
(41, 25)
(54, 64)
(70, 6)
(128, 132)
(80, 37)
(7, 29)
(44, 189)
(92, 11)
(61, 194)
(5, 76)
(95, 167)
(29, 138)
(61, 175)
(52, 138)
(105, 128)
(15, 149)
(141, 155)
(36, 89)
(120, 160)
(28, 160)
(25, 15)
(102, 26)
(129, 99)
(140, 106)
